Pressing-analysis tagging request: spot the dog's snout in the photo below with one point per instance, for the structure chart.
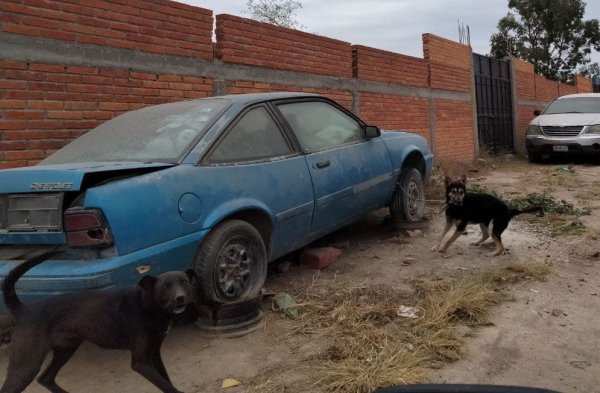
(180, 299)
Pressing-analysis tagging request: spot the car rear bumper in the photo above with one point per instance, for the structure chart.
(546, 145)
(58, 276)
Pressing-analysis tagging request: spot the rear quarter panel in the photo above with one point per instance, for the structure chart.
(144, 211)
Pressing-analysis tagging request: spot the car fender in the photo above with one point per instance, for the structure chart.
(232, 207)
(401, 145)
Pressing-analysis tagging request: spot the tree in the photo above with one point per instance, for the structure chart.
(550, 34)
(590, 70)
(277, 12)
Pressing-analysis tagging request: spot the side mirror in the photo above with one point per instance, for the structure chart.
(372, 131)
(537, 112)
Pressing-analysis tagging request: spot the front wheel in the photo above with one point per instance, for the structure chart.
(231, 264)
(408, 201)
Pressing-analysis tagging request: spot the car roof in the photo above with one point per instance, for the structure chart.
(256, 97)
(580, 95)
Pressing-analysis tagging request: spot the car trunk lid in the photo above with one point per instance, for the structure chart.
(32, 199)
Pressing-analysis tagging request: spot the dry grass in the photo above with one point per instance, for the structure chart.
(589, 193)
(517, 271)
(371, 346)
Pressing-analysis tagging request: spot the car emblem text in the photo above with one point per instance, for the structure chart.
(50, 186)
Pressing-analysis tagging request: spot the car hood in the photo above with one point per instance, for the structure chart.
(66, 177)
(567, 119)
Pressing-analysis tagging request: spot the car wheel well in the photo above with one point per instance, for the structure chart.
(415, 160)
(259, 220)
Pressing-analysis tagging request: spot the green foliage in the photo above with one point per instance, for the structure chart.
(550, 34)
(277, 12)
(547, 202)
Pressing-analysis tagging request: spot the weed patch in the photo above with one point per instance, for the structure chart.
(371, 345)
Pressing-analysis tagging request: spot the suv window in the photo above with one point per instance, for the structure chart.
(319, 125)
(574, 105)
(254, 137)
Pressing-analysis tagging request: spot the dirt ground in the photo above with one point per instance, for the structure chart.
(548, 336)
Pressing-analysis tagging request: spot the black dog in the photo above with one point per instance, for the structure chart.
(473, 208)
(136, 318)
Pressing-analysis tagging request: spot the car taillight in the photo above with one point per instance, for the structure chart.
(86, 228)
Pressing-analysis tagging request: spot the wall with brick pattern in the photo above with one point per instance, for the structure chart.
(158, 26)
(396, 113)
(44, 106)
(77, 63)
(247, 41)
(388, 67)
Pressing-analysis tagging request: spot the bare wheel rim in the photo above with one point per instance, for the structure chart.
(413, 200)
(236, 267)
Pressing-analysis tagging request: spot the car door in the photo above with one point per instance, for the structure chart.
(254, 165)
(351, 174)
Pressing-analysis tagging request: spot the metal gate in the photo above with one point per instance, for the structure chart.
(494, 104)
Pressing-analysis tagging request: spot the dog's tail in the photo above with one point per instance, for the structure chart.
(516, 212)
(11, 300)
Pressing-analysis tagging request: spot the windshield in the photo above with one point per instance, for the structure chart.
(158, 133)
(574, 105)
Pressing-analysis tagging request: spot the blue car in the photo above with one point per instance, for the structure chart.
(224, 185)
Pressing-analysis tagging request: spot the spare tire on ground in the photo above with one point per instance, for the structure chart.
(230, 319)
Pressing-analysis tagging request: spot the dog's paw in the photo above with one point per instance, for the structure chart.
(497, 253)
(435, 248)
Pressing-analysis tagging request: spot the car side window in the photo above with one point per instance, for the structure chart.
(319, 125)
(254, 137)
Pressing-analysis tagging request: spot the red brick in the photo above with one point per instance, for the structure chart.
(319, 258)
(23, 154)
(45, 104)
(112, 106)
(12, 104)
(9, 64)
(65, 115)
(47, 67)
(13, 164)
(46, 144)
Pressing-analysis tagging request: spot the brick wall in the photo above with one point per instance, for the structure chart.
(449, 63)
(44, 106)
(454, 122)
(243, 87)
(388, 67)
(247, 41)
(158, 26)
(68, 65)
(584, 85)
(396, 113)
(534, 92)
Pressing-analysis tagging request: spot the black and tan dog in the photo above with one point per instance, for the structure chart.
(136, 318)
(464, 208)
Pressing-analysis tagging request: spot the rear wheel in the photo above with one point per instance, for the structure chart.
(408, 201)
(231, 263)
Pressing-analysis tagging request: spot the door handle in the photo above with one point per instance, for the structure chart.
(323, 164)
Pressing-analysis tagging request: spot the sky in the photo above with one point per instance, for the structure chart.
(396, 25)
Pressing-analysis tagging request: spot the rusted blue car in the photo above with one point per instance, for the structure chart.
(224, 184)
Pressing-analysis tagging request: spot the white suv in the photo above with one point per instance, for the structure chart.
(569, 124)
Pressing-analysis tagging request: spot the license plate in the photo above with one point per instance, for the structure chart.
(560, 148)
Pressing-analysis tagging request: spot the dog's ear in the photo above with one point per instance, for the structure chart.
(447, 181)
(463, 179)
(191, 274)
(147, 283)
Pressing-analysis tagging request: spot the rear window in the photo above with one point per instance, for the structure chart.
(574, 105)
(160, 133)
